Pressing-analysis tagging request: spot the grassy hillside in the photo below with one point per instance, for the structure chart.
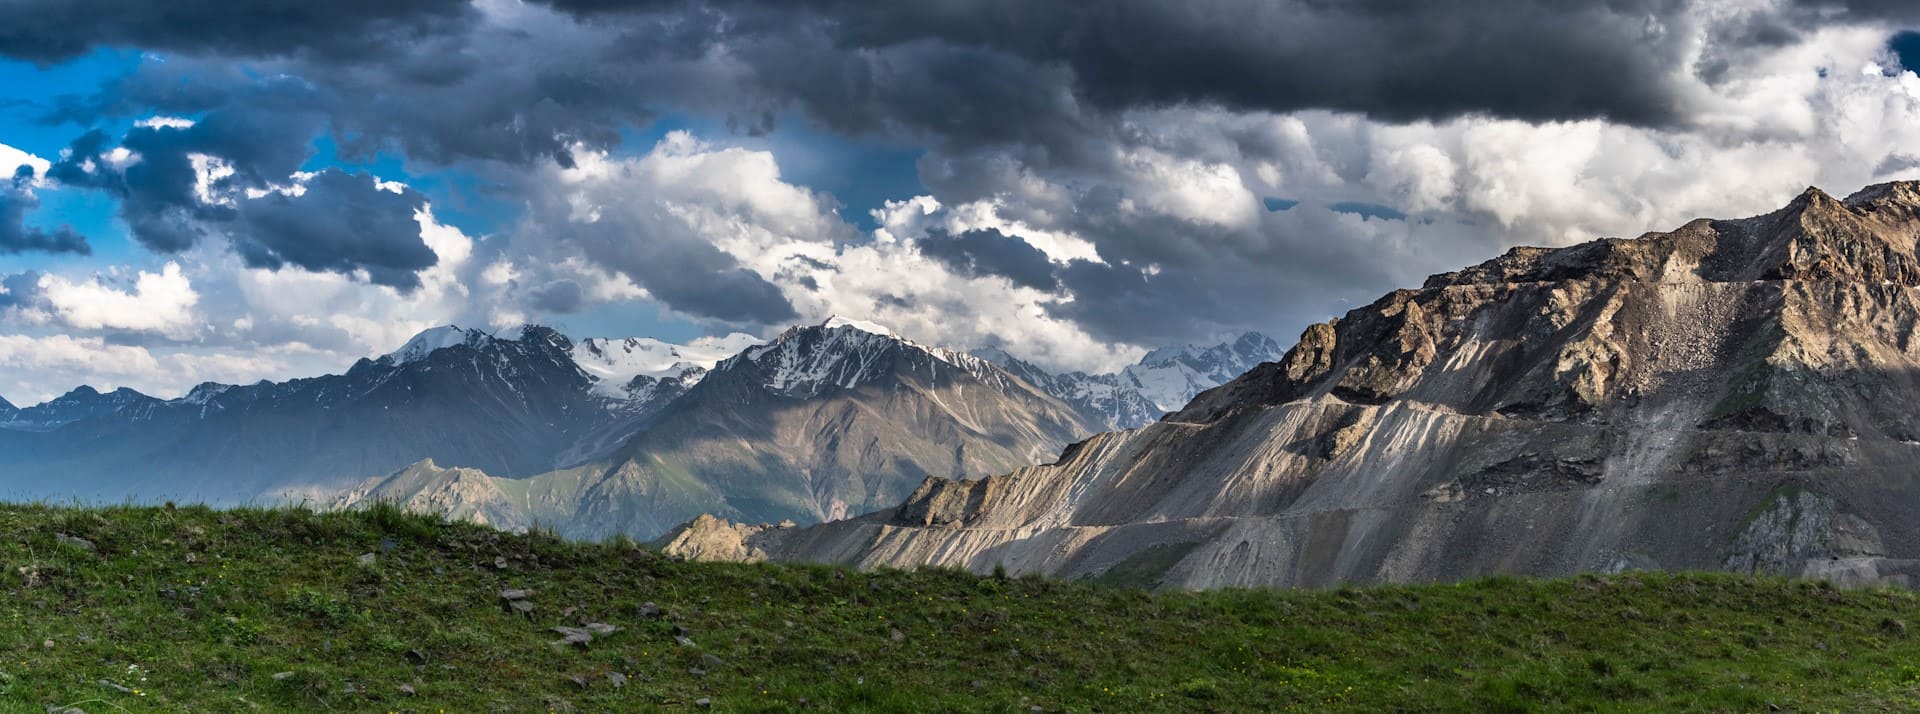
(150, 609)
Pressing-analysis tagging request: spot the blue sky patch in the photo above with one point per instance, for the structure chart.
(1906, 46)
(1364, 209)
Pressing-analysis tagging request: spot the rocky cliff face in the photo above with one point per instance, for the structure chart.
(1734, 394)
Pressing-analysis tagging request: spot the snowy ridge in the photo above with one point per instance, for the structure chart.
(433, 339)
(204, 392)
(634, 369)
(843, 353)
(616, 364)
(1171, 376)
(861, 325)
(1163, 381)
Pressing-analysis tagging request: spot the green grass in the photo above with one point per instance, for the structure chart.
(199, 610)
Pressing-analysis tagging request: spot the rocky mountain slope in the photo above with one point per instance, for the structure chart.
(514, 405)
(1732, 395)
(1163, 381)
(822, 422)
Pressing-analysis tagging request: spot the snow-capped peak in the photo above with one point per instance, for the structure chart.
(427, 341)
(845, 353)
(1171, 376)
(614, 363)
(996, 355)
(1169, 353)
(205, 392)
(836, 321)
(1162, 381)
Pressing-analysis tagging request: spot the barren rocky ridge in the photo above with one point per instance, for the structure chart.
(1731, 395)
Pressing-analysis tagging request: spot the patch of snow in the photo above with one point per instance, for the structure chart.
(437, 338)
(837, 321)
(205, 392)
(614, 363)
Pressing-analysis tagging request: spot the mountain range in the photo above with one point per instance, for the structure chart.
(594, 437)
(824, 421)
(1731, 395)
(1161, 382)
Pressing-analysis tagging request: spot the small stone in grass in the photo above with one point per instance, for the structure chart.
(515, 594)
(366, 560)
(282, 676)
(406, 689)
(573, 636)
(649, 611)
(74, 541)
(500, 562)
(616, 679)
(601, 628)
(899, 636)
(683, 640)
(711, 661)
(696, 671)
(703, 702)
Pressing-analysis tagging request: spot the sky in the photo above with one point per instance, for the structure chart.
(203, 191)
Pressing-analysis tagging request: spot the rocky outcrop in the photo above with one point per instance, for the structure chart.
(1622, 403)
(709, 538)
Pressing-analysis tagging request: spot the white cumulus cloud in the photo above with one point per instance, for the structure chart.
(160, 302)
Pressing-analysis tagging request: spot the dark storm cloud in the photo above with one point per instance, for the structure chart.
(734, 295)
(520, 91)
(559, 297)
(341, 223)
(55, 30)
(1895, 163)
(1168, 280)
(1397, 60)
(16, 236)
(261, 144)
(979, 253)
(440, 82)
(658, 251)
(1811, 11)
